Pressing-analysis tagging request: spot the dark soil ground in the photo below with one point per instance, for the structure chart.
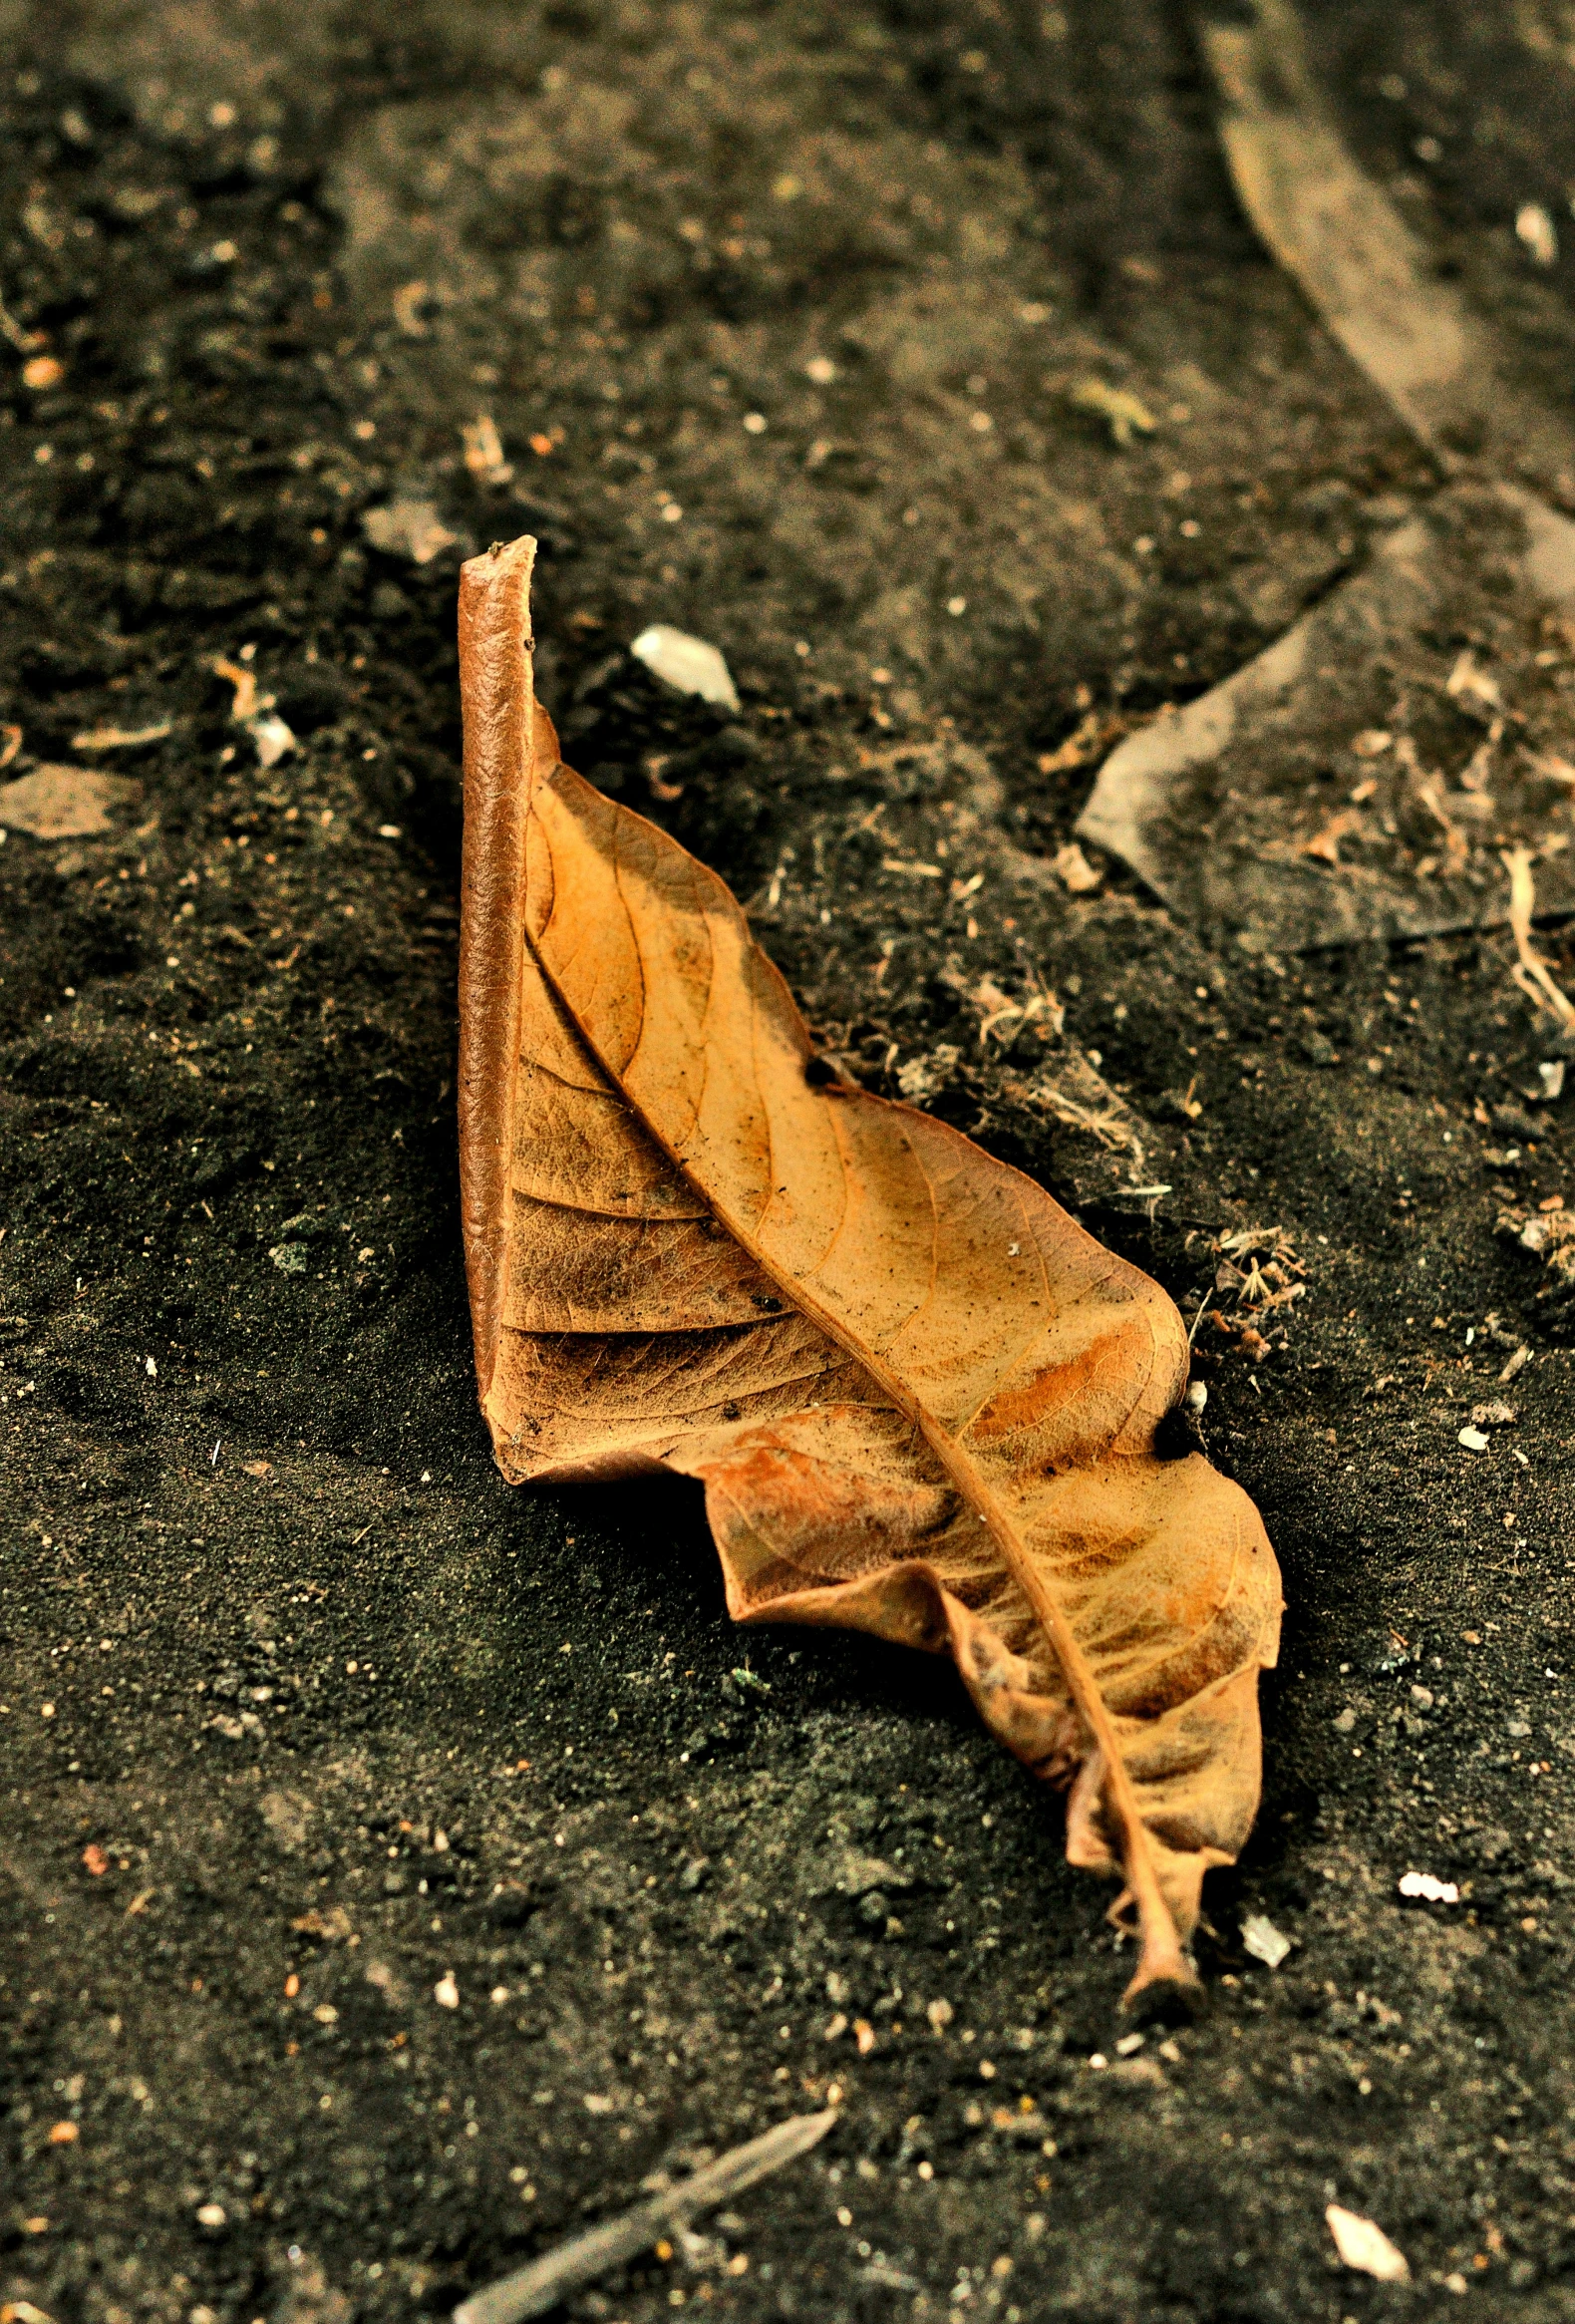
(304, 1713)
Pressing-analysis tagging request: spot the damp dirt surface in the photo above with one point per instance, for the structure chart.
(401, 1872)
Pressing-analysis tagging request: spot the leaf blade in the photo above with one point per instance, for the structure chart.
(941, 1424)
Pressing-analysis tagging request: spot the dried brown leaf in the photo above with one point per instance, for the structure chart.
(1361, 266)
(921, 1400)
(65, 802)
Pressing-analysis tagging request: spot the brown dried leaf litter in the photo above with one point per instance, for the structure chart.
(1363, 777)
(65, 802)
(921, 1400)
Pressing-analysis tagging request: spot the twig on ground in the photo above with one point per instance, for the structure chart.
(117, 738)
(533, 2290)
(1531, 973)
(1192, 1336)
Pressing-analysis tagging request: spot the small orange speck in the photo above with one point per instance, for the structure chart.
(540, 446)
(63, 2135)
(94, 1859)
(43, 371)
(292, 1986)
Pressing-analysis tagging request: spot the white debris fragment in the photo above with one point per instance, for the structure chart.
(445, 1993)
(688, 664)
(1123, 412)
(410, 528)
(1551, 1076)
(1537, 232)
(1072, 868)
(271, 736)
(1363, 2244)
(211, 2215)
(1469, 682)
(1473, 1439)
(1429, 1889)
(1263, 1940)
(921, 1076)
(484, 450)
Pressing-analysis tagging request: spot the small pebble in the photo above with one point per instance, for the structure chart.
(1263, 1940)
(1363, 2245)
(688, 664)
(271, 736)
(1537, 233)
(1429, 1890)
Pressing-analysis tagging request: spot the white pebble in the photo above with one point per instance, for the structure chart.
(1537, 232)
(271, 736)
(688, 664)
(1429, 1889)
(1363, 2245)
(1263, 1940)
